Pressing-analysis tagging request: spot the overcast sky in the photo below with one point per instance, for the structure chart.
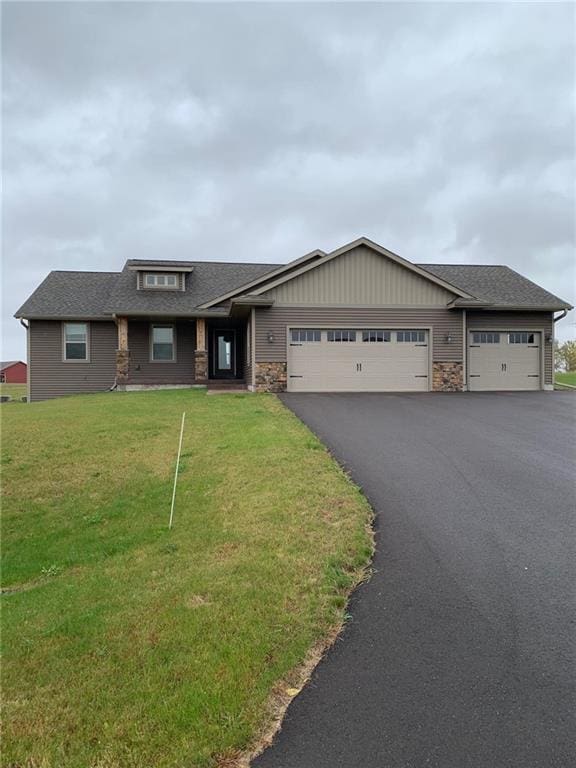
(259, 132)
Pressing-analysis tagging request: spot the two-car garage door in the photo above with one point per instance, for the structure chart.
(358, 360)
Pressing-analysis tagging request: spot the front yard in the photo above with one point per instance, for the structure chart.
(129, 645)
(568, 377)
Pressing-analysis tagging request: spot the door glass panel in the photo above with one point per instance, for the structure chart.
(224, 353)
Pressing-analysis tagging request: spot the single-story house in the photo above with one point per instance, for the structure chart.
(359, 318)
(13, 372)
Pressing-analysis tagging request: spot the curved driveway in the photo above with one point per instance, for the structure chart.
(460, 651)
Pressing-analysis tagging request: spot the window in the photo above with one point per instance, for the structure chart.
(413, 336)
(161, 281)
(375, 335)
(521, 337)
(162, 343)
(486, 338)
(341, 335)
(301, 335)
(76, 341)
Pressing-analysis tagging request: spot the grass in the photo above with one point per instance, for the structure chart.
(126, 644)
(15, 391)
(566, 378)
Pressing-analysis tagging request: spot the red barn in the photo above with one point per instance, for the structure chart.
(13, 372)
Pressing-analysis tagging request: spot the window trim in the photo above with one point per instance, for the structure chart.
(174, 358)
(492, 334)
(386, 336)
(520, 333)
(155, 287)
(418, 340)
(88, 336)
(306, 331)
(349, 331)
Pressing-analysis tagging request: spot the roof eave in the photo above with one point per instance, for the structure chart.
(316, 254)
(252, 301)
(157, 267)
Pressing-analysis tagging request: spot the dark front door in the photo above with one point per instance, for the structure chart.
(224, 354)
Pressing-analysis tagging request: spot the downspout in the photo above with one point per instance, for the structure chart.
(464, 353)
(561, 316)
(26, 325)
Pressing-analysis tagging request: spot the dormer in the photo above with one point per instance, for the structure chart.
(160, 276)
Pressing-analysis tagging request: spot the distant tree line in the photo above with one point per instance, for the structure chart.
(565, 356)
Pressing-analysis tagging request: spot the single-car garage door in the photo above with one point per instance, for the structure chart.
(358, 360)
(500, 360)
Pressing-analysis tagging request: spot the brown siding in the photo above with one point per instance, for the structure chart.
(529, 321)
(277, 319)
(51, 377)
(143, 371)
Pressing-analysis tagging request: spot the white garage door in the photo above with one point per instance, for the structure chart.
(353, 360)
(504, 360)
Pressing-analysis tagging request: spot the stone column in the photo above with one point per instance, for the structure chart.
(200, 353)
(122, 353)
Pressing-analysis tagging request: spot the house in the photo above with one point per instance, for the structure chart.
(359, 318)
(13, 372)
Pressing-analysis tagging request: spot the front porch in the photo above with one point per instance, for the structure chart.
(181, 351)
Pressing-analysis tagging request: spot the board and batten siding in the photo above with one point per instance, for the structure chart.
(50, 376)
(360, 276)
(144, 371)
(518, 321)
(276, 320)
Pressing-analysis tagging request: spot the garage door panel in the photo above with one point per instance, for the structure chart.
(358, 366)
(503, 365)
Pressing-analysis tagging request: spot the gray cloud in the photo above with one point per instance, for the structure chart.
(252, 131)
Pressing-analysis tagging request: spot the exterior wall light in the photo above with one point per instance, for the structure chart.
(548, 337)
(270, 337)
(448, 339)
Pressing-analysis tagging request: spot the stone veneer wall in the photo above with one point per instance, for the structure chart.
(447, 377)
(200, 365)
(271, 377)
(122, 366)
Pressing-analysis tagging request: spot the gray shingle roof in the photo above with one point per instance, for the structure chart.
(70, 294)
(209, 280)
(8, 363)
(98, 294)
(496, 284)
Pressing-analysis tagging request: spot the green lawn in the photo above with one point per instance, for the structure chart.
(566, 378)
(127, 645)
(15, 391)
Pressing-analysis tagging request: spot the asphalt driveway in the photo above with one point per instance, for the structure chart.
(460, 651)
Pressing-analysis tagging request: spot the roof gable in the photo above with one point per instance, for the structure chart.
(356, 247)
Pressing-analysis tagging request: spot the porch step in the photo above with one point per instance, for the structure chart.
(232, 385)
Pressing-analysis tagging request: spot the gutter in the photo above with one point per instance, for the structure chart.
(561, 316)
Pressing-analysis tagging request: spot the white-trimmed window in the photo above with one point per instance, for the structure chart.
(302, 335)
(162, 344)
(486, 338)
(411, 336)
(521, 337)
(75, 342)
(374, 336)
(341, 335)
(161, 280)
